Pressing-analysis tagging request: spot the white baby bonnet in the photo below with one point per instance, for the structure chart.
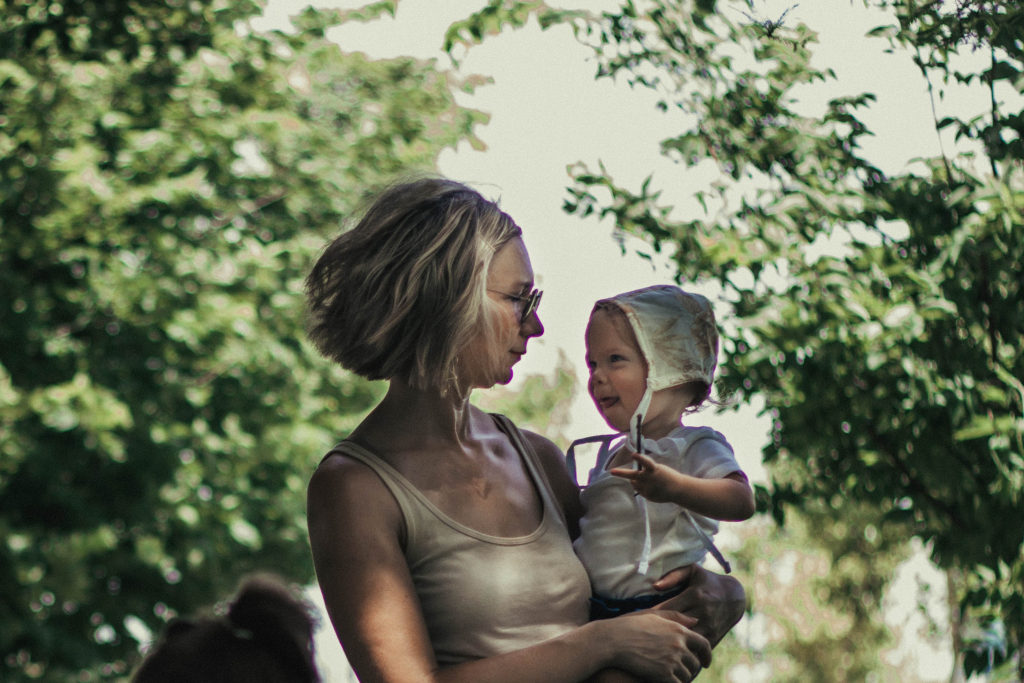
(678, 337)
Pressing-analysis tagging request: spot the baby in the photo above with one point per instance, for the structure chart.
(654, 498)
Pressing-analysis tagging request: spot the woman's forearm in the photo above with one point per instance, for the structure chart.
(574, 656)
(649, 645)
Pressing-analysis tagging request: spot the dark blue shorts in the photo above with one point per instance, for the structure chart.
(606, 608)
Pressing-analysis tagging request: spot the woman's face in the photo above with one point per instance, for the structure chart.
(487, 362)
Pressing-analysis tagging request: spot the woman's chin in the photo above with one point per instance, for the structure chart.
(497, 380)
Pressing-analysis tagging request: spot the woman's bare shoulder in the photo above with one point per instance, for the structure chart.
(337, 467)
(342, 483)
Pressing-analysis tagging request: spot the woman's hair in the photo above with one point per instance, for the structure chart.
(266, 636)
(402, 293)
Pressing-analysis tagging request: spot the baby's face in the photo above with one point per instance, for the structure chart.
(618, 379)
(618, 371)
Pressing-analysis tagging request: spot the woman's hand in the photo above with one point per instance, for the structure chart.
(717, 602)
(657, 645)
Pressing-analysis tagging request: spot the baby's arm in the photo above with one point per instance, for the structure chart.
(729, 499)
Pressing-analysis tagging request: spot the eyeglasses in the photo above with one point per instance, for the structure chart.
(526, 305)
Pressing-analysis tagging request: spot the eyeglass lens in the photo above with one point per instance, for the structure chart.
(531, 303)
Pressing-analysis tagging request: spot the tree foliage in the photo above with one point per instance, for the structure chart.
(891, 366)
(168, 175)
(816, 588)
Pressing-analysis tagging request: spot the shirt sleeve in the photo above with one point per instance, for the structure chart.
(710, 456)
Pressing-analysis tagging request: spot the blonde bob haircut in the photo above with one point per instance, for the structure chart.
(401, 294)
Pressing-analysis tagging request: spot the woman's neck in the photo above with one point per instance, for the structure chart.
(424, 416)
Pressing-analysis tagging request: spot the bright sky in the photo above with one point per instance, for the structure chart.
(548, 112)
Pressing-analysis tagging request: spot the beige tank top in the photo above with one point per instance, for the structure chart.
(483, 595)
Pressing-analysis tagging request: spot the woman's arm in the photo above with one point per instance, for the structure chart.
(728, 499)
(356, 533)
(717, 602)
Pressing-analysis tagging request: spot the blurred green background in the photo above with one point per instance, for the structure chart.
(169, 173)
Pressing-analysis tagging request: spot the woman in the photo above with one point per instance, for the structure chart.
(442, 535)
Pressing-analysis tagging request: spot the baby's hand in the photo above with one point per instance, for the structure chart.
(650, 479)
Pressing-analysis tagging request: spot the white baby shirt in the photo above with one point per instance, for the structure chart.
(612, 529)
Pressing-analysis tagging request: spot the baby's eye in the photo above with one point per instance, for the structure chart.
(615, 358)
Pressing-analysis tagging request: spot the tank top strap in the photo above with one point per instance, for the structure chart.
(408, 497)
(533, 465)
(388, 474)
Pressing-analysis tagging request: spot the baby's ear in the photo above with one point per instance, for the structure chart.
(701, 392)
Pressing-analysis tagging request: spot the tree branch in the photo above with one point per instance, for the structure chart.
(935, 114)
(995, 108)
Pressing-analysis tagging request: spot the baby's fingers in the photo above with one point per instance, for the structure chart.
(643, 462)
(625, 472)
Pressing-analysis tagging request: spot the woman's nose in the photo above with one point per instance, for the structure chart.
(532, 326)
